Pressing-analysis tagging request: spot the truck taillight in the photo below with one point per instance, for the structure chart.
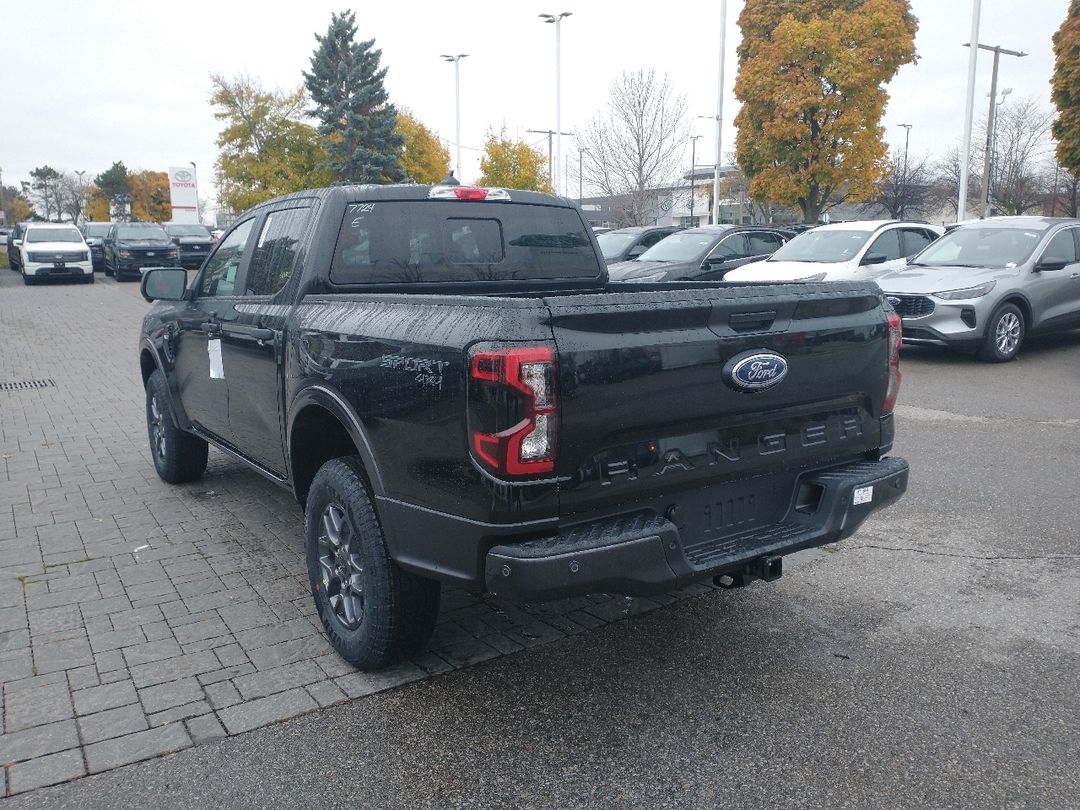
(893, 389)
(527, 375)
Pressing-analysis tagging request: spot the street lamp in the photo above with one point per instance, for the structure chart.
(557, 19)
(998, 51)
(456, 59)
(195, 175)
(693, 171)
(988, 161)
(902, 186)
(716, 170)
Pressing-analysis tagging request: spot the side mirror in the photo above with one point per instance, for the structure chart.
(176, 240)
(874, 258)
(716, 261)
(17, 242)
(164, 284)
(1046, 265)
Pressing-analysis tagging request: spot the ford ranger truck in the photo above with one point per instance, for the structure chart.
(447, 384)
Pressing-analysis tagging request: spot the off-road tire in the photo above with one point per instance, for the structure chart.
(178, 456)
(399, 608)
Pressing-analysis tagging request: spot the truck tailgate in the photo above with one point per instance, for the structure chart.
(649, 415)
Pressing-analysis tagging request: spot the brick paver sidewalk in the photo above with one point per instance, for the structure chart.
(138, 618)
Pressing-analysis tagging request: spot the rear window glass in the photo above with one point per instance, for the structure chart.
(428, 241)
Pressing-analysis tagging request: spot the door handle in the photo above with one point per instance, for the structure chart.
(210, 327)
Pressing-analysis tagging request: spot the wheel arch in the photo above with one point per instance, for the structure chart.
(323, 426)
(1022, 303)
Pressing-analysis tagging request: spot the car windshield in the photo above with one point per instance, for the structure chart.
(981, 247)
(822, 246)
(681, 247)
(187, 230)
(140, 232)
(97, 230)
(612, 244)
(53, 235)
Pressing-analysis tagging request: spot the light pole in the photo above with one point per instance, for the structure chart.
(998, 51)
(969, 111)
(719, 113)
(581, 151)
(557, 19)
(902, 186)
(988, 161)
(693, 170)
(456, 59)
(195, 175)
(82, 192)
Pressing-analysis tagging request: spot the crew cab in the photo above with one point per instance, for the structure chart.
(453, 392)
(129, 247)
(50, 250)
(192, 241)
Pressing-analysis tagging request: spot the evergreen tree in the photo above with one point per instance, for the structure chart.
(355, 116)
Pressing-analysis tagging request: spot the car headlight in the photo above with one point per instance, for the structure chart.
(815, 277)
(649, 278)
(968, 292)
(125, 254)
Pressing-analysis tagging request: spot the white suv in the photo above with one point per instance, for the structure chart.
(842, 251)
(52, 250)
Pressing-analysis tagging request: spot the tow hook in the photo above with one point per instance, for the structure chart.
(766, 569)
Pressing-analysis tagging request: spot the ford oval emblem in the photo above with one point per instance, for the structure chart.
(755, 371)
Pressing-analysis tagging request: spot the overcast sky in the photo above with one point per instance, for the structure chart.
(91, 83)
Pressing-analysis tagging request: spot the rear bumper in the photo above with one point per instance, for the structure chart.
(644, 553)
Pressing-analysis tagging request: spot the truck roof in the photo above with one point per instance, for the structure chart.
(408, 191)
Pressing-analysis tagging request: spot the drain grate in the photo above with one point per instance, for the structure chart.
(24, 385)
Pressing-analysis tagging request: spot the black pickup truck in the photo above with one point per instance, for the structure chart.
(447, 383)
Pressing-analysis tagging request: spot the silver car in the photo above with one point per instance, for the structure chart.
(987, 285)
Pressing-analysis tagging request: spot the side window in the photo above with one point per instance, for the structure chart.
(913, 240)
(730, 247)
(653, 238)
(763, 242)
(274, 255)
(888, 244)
(1062, 248)
(219, 275)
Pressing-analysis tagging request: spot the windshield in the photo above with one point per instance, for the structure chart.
(822, 246)
(140, 232)
(187, 230)
(681, 247)
(97, 230)
(981, 247)
(612, 244)
(53, 235)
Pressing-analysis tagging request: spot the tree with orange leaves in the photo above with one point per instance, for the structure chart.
(811, 81)
(1066, 90)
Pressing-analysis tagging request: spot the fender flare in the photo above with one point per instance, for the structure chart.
(180, 417)
(332, 401)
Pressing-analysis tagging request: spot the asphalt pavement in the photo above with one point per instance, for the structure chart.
(933, 660)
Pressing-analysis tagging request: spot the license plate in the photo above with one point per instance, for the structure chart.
(723, 510)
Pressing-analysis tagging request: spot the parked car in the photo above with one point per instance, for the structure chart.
(988, 285)
(51, 250)
(131, 246)
(95, 233)
(843, 251)
(629, 243)
(705, 253)
(193, 241)
(452, 391)
(14, 239)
